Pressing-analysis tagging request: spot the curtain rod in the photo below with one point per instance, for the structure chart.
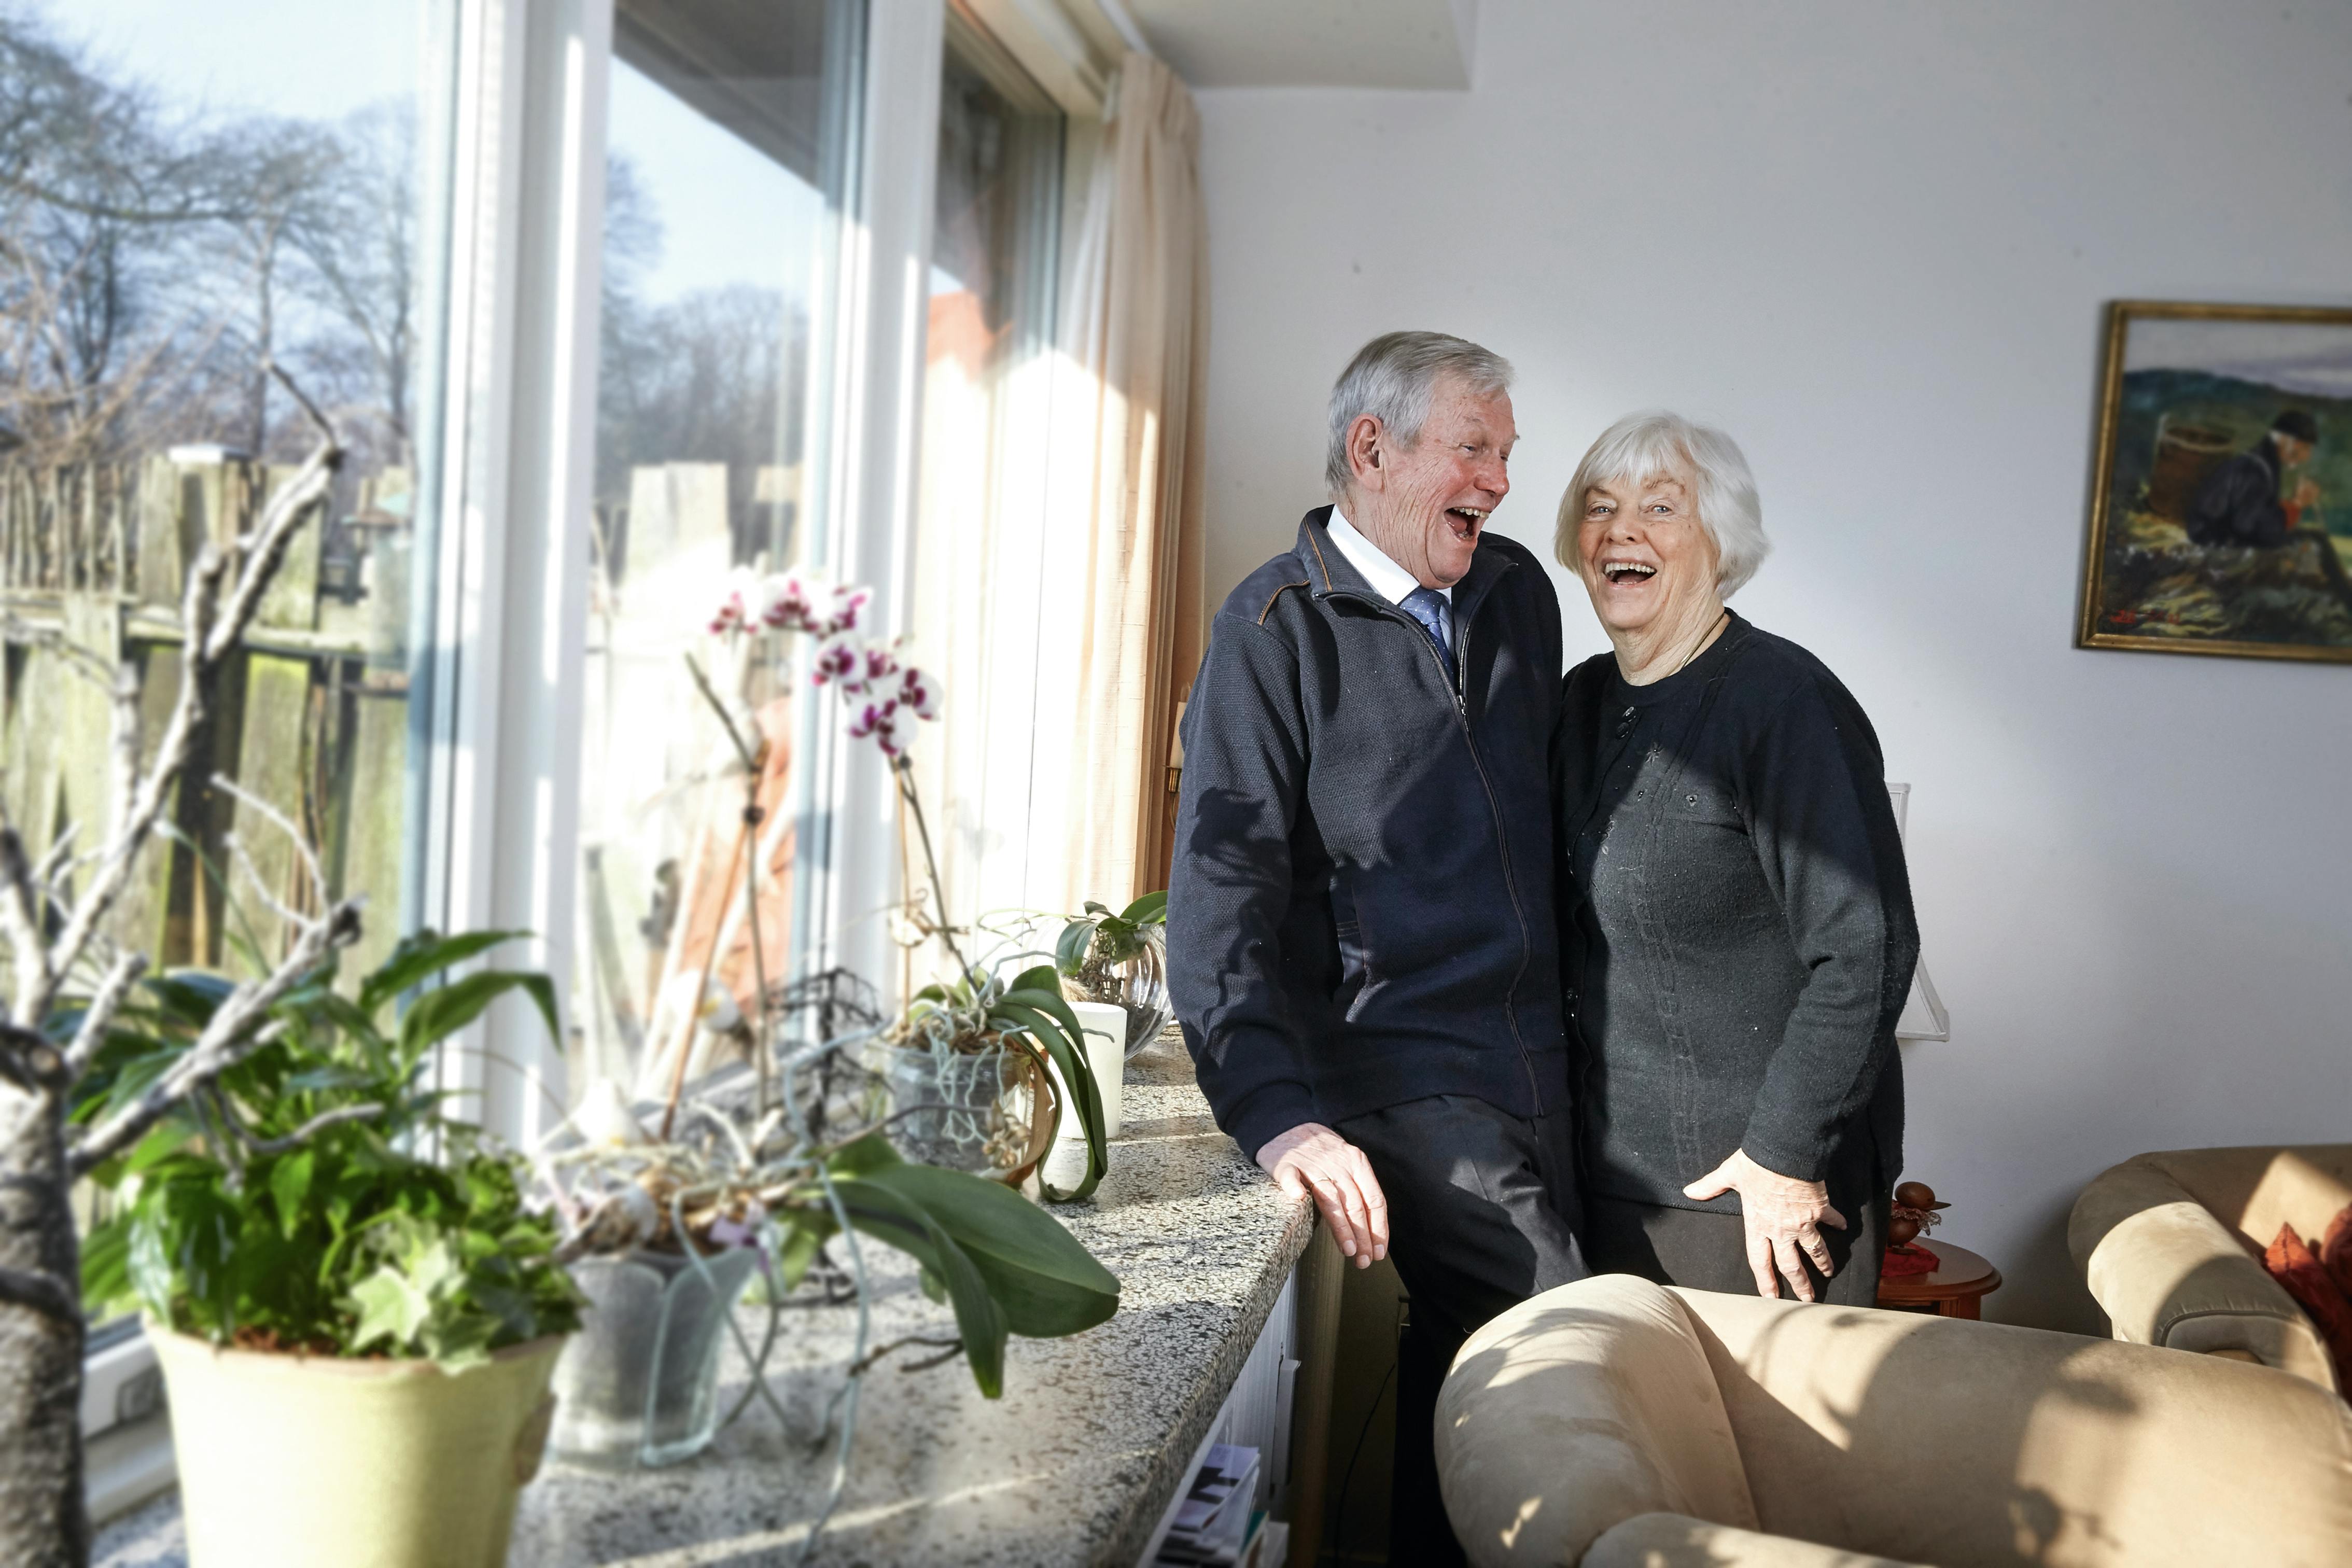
(1121, 18)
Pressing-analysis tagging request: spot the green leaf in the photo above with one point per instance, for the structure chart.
(882, 1212)
(1095, 909)
(1044, 1281)
(1150, 910)
(190, 995)
(438, 1014)
(420, 957)
(1049, 1021)
(1070, 951)
(289, 1184)
(800, 1249)
(391, 1307)
(106, 1269)
(867, 1154)
(325, 1080)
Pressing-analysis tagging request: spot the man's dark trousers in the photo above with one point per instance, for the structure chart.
(1482, 1215)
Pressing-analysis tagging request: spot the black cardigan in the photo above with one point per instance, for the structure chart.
(1739, 937)
(1361, 907)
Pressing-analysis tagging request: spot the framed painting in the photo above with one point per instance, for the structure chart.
(2221, 502)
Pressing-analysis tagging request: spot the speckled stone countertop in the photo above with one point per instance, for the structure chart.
(1074, 1466)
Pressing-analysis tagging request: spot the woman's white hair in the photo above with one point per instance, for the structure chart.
(1643, 447)
(1393, 379)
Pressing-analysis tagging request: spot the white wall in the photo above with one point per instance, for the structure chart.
(1874, 241)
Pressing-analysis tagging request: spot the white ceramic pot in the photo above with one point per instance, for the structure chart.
(291, 1461)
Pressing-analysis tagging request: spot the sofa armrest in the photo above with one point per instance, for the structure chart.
(1588, 1406)
(2168, 1272)
(1678, 1540)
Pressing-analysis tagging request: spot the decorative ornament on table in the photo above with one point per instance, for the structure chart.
(1915, 1210)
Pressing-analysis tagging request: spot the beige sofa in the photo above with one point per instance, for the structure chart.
(2171, 1244)
(1612, 1424)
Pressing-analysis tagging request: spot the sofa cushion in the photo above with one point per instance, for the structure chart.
(1678, 1541)
(1585, 1406)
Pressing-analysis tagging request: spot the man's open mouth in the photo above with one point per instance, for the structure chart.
(1621, 573)
(1465, 520)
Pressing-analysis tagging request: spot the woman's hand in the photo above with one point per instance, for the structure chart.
(1312, 1159)
(1783, 1217)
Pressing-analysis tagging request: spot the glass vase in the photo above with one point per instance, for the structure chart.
(966, 1111)
(1137, 985)
(638, 1383)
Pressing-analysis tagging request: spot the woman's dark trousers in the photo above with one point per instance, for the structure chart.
(1706, 1251)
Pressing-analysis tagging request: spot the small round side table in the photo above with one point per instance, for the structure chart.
(1955, 1289)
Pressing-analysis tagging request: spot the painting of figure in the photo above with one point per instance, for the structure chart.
(2222, 510)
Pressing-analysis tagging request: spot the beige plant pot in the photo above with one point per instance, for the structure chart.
(292, 1461)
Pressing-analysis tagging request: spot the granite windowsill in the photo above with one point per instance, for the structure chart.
(1074, 1465)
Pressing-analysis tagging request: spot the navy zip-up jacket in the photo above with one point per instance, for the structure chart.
(1361, 907)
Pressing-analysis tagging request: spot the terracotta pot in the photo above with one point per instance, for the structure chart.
(288, 1461)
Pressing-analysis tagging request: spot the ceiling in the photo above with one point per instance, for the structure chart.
(1311, 43)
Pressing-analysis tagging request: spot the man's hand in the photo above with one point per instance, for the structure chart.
(1783, 1217)
(2307, 492)
(1312, 1159)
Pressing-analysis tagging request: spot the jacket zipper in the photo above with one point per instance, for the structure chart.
(1493, 806)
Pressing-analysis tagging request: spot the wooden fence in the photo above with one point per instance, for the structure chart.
(311, 719)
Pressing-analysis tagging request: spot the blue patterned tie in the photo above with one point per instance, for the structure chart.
(1428, 607)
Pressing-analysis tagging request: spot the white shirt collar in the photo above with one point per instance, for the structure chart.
(1389, 580)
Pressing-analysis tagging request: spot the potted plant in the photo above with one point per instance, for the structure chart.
(1120, 959)
(356, 1311)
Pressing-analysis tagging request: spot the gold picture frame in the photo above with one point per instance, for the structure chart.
(2184, 558)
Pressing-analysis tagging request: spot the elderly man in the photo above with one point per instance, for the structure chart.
(1362, 942)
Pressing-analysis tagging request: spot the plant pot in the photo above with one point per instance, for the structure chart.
(979, 1112)
(288, 1461)
(1137, 985)
(639, 1383)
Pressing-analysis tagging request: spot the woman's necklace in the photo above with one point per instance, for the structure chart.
(1705, 637)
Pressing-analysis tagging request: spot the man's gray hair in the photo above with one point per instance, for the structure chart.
(1645, 446)
(1392, 378)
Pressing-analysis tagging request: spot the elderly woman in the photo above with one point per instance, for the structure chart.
(1736, 915)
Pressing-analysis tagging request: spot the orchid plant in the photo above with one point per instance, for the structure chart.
(974, 1009)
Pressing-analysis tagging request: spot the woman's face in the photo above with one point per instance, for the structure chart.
(1645, 558)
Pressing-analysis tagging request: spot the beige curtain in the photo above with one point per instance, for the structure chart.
(1123, 621)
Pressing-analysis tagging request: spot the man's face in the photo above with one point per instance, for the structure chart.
(2293, 454)
(1643, 555)
(1425, 505)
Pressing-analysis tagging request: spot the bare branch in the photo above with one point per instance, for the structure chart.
(237, 1029)
(300, 1135)
(213, 625)
(44, 1293)
(99, 1017)
(20, 920)
(45, 875)
(126, 739)
(264, 550)
(276, 820)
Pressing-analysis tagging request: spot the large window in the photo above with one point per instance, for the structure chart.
(727, 166)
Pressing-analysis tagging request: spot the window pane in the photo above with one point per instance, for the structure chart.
(722, 187)
(193, 194)
(985, 407)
